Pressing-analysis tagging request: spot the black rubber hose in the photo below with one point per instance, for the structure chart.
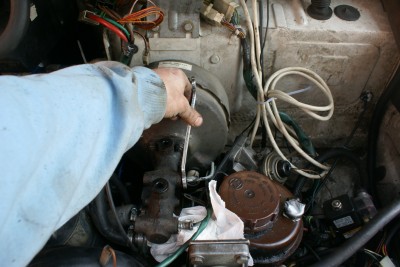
(98, 213)
(373, 132)
(332, 154)
(16, 27)
(121, 189)
(351, 246)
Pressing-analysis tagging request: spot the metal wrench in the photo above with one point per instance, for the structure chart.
(187, 136)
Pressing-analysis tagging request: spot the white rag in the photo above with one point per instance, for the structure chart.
(224, 224)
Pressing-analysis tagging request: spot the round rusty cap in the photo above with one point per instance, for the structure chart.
(253, 197)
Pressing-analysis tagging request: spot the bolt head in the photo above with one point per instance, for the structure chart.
(214, 59)
(188, 26)
(196, 260)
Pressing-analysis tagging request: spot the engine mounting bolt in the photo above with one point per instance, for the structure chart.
(196, 260)
(336, 204)
(214, 59)
(242, 259)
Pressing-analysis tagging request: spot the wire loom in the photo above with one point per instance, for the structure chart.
(136, 18)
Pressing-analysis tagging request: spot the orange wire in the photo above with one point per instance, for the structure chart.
(137, 18)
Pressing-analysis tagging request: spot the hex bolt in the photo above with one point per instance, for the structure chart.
(196, 260)
(336, 204)
(214, 59)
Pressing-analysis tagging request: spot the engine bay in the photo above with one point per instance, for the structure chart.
(297, 161)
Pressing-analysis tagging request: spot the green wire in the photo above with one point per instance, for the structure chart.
(304, 140)
(116, 24)
(173, 257)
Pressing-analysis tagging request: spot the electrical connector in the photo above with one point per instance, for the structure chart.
(210, 15)
(146, 58)
(83, 17)
(226, 7)
(386, 262)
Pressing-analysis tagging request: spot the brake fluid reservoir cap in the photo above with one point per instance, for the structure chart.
(253, 197)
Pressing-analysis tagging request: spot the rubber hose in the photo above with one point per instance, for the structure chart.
(121, 189)
(373, 132)
(351, 246)
(331, 154)
(98, 213)
(16, 27)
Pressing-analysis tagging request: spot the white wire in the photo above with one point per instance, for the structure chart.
(255, 71)
(256, 36)
(269, 111)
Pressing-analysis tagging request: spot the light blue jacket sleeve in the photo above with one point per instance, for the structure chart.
(61, 137)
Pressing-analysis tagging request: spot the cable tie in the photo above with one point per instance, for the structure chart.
(290, 93)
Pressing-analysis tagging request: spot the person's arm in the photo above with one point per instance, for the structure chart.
(61, 137)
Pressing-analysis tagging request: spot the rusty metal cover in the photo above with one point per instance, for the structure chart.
(253, 197)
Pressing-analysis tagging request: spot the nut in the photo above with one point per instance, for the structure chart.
(336, 204)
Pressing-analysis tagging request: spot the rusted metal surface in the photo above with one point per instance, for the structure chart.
(159, 193)
(254, 199)
(159, 199)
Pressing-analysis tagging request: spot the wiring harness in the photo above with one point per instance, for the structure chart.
(267, 96)
(126, 26)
